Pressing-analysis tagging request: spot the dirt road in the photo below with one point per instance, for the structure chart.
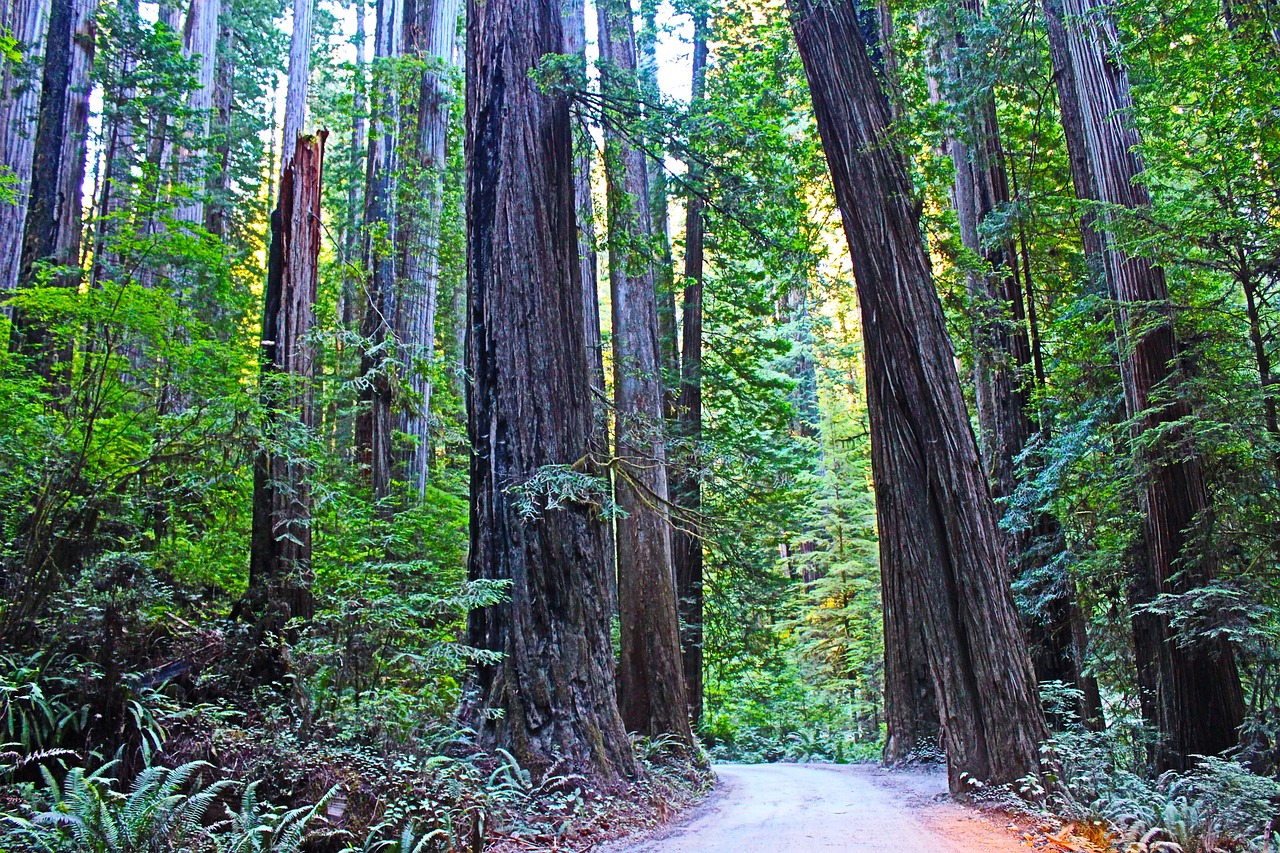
(799, 808)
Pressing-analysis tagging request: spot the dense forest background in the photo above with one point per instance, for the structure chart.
(237, 483)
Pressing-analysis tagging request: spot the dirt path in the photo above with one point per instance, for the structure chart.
(797, 808)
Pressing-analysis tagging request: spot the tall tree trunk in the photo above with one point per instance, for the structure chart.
(200, 39)
(355, 213)
(529, 406)
(686, 541)
(217, 215)
(1189, 687)
(573, 15)
(651, 689)
(938, 530)
(1003, 366)
(51, 233)
(432, 38)
(912, 725)
(118, 154)
(295, 103)
(374, 430)
(663, 277)
(1072, 118)
(280, 547)
(20, 86)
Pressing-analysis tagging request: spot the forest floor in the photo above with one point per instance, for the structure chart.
(797, 808)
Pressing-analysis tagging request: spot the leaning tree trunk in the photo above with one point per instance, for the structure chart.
(1189, 686)
(280, 545)
(938, 530)
(26, 21)
(374, 427)
(686, 539)
(529, 407)
(200, 40)
(51, 233)
(651, 688)
(432, 38)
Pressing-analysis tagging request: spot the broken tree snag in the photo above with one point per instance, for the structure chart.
(938, 531)
(529, 406)
(280, 549)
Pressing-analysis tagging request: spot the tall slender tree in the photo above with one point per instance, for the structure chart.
(431, 38)
(1002, 355)
(51, 233)
(374, 429)
(1189, 687)
(200, 40)
(651, 688)
(938, 530)
(20, 86)
(686, 489)
(529, 406)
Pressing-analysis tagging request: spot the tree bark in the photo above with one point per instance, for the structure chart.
(355, 213)
(280, 546)
(686, 541)
(651, 689)
(51, 233)
(20, 86)
(1189, 690)
(217, 214)
(1003, 363)
(938, 530)
(200, 39)
(1072, 119)
(529, 406)
(573, 16)
(663, 277)
(432, 39)
(295, 102)
(374, 429)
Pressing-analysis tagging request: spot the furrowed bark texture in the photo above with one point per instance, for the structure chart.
(937, 521)
(686, 542)
(51, 232)
(529, 406)
(295, 102)
(573, 17)
(27, 21)
(1001, 344)
(1190, 691)
(200, 39)
(431, 37)
(382, 229)
(280, 547)
(355, 218)
(663, 277)
(651, 690)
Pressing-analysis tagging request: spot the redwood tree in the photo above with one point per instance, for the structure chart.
(686, 489)
(938, 528)
(651, 687)
(1189, 687)
(529, 407)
